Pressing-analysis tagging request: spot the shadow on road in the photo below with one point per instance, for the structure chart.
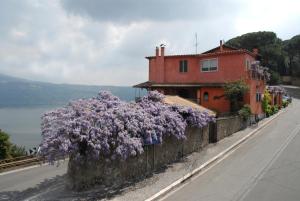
(56, 189)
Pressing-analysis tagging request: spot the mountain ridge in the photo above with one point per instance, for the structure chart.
(19, 92)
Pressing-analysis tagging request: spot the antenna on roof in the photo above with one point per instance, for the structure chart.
(196, 43)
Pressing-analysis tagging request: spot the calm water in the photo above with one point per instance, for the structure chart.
(23, 124)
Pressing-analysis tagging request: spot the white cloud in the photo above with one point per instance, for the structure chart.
(105, 42)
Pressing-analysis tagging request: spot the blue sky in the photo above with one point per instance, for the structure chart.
(105, 42)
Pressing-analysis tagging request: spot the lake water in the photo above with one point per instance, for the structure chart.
(23, 124)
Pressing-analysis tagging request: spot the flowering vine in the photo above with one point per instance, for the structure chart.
(106, 127)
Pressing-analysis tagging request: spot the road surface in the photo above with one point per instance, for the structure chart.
(265, 168)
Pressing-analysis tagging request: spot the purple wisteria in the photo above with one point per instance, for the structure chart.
(106, 127)
(260, 70)
(276, 89)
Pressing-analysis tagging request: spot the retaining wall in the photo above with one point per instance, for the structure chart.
(226, 126)
(89, 173)
(116, 173)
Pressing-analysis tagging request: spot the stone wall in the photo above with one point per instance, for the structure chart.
(226, 126)
(88, 173)
(116, 173)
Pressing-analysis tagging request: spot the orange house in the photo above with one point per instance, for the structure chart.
(201, 77)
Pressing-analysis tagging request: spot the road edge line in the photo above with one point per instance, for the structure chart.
(167, 189)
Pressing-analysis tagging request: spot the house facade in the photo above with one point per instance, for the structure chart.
(201, 77)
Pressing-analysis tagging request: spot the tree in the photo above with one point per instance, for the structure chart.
(5, 145)
(275, 78)
(234, 92)
(292, 48)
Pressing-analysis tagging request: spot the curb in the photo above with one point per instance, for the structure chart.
(175, 184)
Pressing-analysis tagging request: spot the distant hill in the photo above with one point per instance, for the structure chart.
(17, 92)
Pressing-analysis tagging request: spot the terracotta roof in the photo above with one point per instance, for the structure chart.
(218, 47)
(150, 84)
(238, 51)
(176, 100)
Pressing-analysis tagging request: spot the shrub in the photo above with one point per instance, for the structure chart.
(4, 145)
(8, 149)
(234, 92)
(17, 151)
(269, 111)
(274, 109)
(106, 127)
(245, 112)
(266, 101)
(285, 103)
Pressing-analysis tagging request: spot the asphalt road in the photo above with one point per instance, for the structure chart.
(24, 183)
(265, 168)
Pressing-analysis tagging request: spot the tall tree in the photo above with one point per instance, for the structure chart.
(292, 48)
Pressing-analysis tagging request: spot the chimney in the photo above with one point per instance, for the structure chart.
(221, 46)
(162, 50)
(255, 51)
(156, 51)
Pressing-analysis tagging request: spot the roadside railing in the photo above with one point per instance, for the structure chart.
(19, 161)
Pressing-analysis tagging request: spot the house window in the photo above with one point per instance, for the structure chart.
(209, 65)
(205, 96)
(183, 66)
(258, 97)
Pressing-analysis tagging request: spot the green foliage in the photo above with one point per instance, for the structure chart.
(7, 149)
(4, 145)
(266, 101)
(274, 109)
(269, 110)
(275, 78)
(285, 103)
(17, 151)
(292, 48)
(234, 92)
(245, 112)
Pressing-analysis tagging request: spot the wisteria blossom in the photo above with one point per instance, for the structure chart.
(276, 89)
(260, 70)
(106, 127)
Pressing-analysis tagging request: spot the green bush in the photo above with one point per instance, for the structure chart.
(269, 110)
(275, 109)
(245, 112)
(17, 151)
(4, 145)
(7, 149)
(285, 103)
(266, 101)
(234, 92)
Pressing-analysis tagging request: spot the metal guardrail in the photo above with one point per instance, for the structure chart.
(19, 161)
(15, 159)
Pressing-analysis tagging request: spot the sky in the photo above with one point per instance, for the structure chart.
(104, 42)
